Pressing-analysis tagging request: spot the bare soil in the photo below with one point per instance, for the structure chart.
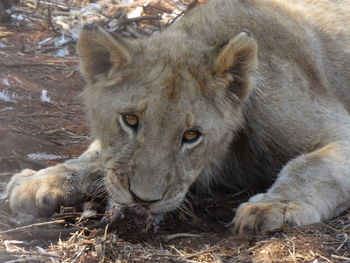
(58, 128)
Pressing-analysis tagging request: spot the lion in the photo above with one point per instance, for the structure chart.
(243, 94)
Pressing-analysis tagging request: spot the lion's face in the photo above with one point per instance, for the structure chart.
(161, 120)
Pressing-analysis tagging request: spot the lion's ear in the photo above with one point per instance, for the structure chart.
(101, 53)
(238, 61)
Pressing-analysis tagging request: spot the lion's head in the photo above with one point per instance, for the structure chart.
(164, 108)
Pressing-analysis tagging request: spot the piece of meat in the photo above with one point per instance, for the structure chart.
(131, 223)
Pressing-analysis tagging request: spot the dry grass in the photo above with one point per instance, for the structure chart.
(197, 235)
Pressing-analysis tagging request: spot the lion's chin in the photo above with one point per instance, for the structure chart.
(162, 207)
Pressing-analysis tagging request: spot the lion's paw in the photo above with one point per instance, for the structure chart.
(38, 193)
(254, 218)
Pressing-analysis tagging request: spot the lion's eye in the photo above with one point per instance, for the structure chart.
(131, 120)
(191, 136)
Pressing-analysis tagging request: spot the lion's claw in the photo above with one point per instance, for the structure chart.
(254, 218)
(40, 193)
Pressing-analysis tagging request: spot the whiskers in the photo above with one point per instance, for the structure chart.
(186, 207)
(112, 200)
(99, 190)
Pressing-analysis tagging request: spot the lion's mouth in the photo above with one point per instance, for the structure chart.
(121, 195)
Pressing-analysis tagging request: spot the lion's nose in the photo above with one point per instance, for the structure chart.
(139, 200)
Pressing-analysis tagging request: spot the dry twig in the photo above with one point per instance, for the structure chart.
(21, 228)
(340, 257)
(178, 235)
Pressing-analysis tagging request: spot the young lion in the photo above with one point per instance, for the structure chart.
(242, 93)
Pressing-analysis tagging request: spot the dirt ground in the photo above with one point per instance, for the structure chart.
(42, 122)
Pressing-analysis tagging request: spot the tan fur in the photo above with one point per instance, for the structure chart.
(264, 81)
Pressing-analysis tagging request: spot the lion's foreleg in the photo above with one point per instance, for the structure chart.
(310, 188)
(40, 193)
